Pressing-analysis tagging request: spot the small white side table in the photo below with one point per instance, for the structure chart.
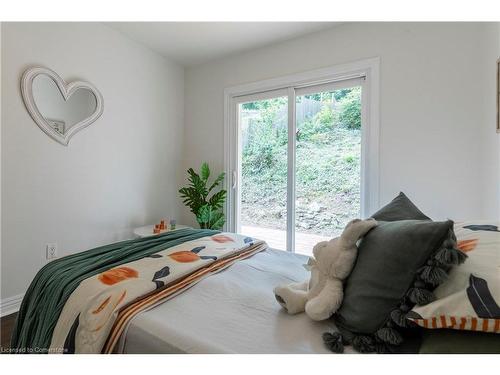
(147, 230)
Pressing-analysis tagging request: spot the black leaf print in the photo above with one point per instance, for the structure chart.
(485, 227)
(69, 343)
(158, 283)
(481, 299)
(208, 257)
(196, 250)
(164, 272)
(156, 256)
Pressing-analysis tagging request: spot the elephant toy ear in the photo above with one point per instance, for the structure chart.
(356, 229)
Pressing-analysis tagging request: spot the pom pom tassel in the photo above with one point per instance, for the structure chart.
(421, 296)
(334, 342)
(364, 344)
(399, 317)
(450, 242)
(433, 275)
(381, 348)
(449, 256)
(389, 336)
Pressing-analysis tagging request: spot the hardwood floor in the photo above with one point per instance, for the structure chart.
(7, 326)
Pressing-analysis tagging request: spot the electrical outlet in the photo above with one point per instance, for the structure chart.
(51, 251)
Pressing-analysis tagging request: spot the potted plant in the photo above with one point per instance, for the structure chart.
(208, 210)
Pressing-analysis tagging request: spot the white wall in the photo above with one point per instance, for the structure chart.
(489, 162)
(497, 182)
(489, 155)
(436, 106)
(119, 173)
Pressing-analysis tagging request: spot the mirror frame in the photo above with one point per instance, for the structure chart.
(66, 90)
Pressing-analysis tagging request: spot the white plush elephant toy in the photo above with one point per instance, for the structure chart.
(321, 296)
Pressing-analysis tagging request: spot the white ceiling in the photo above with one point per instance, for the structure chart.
(192, 43)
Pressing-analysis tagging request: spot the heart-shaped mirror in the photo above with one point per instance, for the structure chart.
(60, 109)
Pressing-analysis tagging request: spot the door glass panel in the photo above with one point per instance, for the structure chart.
(263, 181)
(328, 165)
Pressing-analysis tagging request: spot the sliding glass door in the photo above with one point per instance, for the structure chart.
(262, 192)
(328, 161)
(297, 171)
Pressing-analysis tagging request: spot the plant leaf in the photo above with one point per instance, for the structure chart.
(204, 214)
(205, 171)
(198, 183)
(217, 200)
(191, 198)
(217, 181)
(217, 221)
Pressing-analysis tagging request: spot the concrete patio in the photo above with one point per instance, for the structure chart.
(275, 238)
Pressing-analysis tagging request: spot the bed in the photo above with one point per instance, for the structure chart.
(231, 309)
(231, 312)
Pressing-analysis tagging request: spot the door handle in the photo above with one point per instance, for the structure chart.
(234, 180)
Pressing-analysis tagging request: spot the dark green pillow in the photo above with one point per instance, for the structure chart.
(399, 263)
(400, 208)
(389, 258)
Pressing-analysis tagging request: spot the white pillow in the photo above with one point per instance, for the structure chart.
(469, 299)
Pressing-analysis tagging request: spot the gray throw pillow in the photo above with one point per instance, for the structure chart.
(400, 208)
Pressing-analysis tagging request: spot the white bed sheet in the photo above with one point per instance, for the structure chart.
(233, 311)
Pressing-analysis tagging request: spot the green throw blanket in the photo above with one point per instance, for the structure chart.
(54, 283)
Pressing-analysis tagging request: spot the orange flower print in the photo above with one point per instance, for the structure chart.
(190, 256)
(184, 256)
(220, 238)
(467, 245)
(115, 275)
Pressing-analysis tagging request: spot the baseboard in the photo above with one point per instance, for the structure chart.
(10, 305)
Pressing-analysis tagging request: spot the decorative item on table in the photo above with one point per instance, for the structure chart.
(172, 224)
(156, 229)
(207, 210)
(162, 225)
